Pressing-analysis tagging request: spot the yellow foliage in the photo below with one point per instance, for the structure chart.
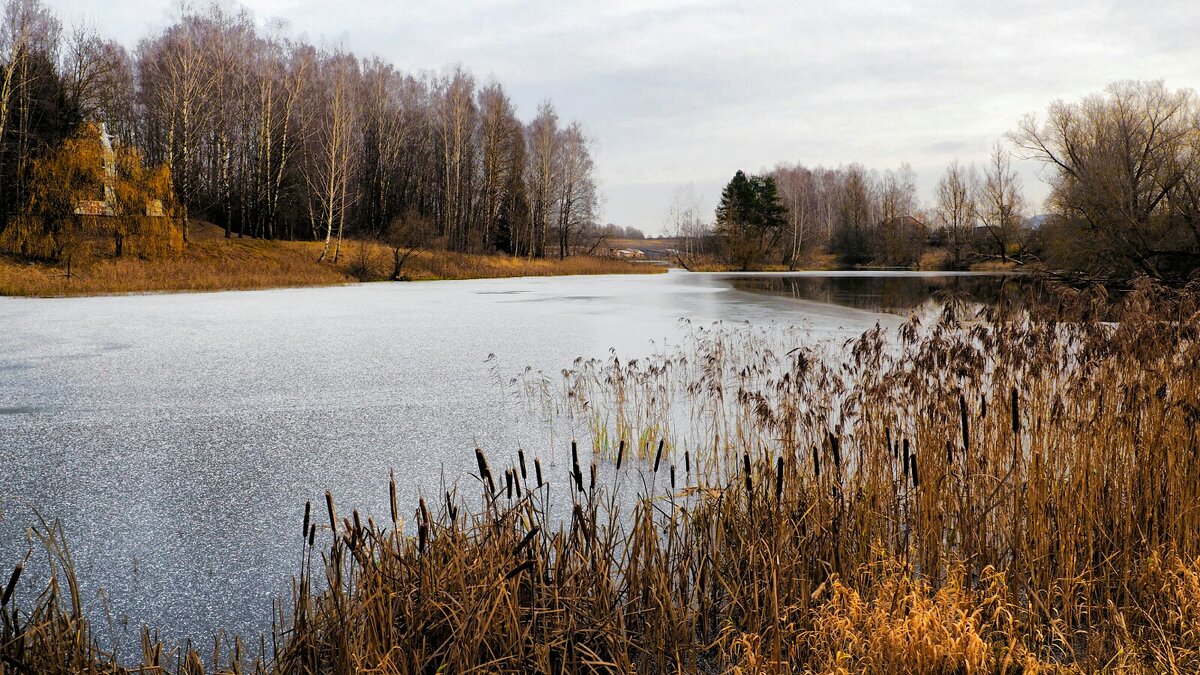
(112, 190)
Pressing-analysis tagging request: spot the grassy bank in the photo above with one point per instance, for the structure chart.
(211, 263)
(1008, 493)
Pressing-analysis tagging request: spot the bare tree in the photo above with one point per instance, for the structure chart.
(1000, 203)
(685, 225)
(1124, 164)
(328, 171)
(577, 196)
(954, 210)
(457, 115)
(406, 235)
(542, 175)
(500, 136)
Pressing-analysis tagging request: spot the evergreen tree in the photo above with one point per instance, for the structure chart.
(749, 218)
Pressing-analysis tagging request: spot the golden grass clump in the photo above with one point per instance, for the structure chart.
(1007, 490)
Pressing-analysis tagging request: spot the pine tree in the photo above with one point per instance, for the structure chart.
(749, 218)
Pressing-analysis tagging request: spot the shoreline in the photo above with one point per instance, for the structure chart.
(211, 263)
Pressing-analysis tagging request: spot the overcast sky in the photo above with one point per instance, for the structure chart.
(678, 93)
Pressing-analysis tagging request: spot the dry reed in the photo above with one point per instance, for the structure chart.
(821, 529)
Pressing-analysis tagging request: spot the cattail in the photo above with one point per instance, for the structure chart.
(672, 477)
(1016, 413)
(307, 513)
(312, 535)
(332, 513)
(518, 569)
(592, 486)
(687, 462)
(837, 454)
(526, 539)
(517, 483)
(12, 583)
(521, 457)
(508, 481)
(746, 472)
(949, 452)
(575, 459)
(620, 453)
(982, 405)
(905, 444)
(537, 469)
(357, 523)
(816, 462)
(424, 511)
(778, 479)
(422, 536)
(451, 508)
(658, 455)
(912, 463)
(485, 473)
(392, 495)
(966, 428)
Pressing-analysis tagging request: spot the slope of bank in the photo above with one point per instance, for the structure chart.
(212, 263)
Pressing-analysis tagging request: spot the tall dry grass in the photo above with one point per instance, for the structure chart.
(211, 263)
(1011, 492)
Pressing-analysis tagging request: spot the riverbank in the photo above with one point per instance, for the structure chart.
(211, 262)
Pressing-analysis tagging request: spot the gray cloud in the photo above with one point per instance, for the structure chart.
(678, 92)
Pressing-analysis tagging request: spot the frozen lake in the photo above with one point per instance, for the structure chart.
(177, 437)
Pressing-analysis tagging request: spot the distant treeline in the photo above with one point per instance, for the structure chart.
(1124, 168)
(272, 137)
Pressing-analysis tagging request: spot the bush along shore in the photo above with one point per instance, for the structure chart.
(1013, 493)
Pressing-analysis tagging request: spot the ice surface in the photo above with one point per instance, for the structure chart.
(177, 437)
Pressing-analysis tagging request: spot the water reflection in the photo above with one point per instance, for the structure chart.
(883, 292)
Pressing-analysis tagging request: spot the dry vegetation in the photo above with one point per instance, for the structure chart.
(212, 263)
(1010, 492)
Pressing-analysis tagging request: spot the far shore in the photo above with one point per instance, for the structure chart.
(210, 262)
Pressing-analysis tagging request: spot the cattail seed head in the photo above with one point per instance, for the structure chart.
(966, 427)
(620, 453)
(332, 512)
(687, 462)
(392, 498)
(816, 462)
(521, 458)
(778, 479)
(658, 455)
(11, 586)
(1016, 413)
(912, 463)
(537, 469)
(307, 514)
(746, 472)
(485, 472)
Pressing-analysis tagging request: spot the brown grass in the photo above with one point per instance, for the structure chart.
(1014, 493)
(211, 263)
